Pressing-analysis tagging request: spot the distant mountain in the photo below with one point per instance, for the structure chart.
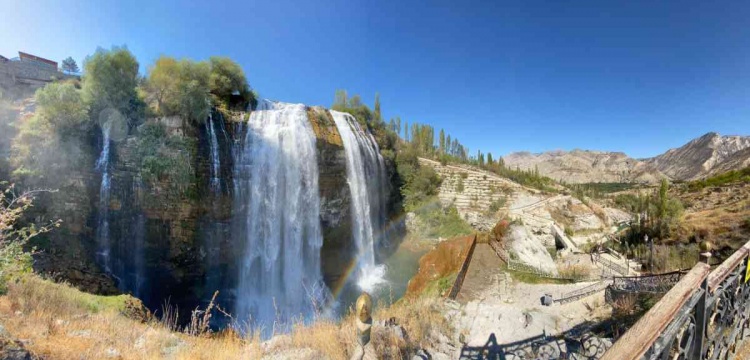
(706, 155)
(585, 166)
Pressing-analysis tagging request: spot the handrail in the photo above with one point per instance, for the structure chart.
(703, 316)
(638, 339)
(725, 268)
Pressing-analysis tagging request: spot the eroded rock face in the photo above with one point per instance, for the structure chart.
(528, 249)
(585, 166)
(700, 156)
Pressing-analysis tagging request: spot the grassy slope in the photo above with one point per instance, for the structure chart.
(59, 322)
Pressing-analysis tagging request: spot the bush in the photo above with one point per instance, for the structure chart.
(460, 185)
(62, 106)
(439, 222)
(165, 159)
(497, 205)
(14, 260)
(52, 142)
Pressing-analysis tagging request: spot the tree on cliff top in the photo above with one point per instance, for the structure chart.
(179, 88)
(110, 82)
(229, 85)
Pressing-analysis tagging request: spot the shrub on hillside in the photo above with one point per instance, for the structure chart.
(62, 107)
(14, 260)
(165, 160)
(51, 142)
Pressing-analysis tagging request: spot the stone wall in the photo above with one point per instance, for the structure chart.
(12, 72)
(473, 192)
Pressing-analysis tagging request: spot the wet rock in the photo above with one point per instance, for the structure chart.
(14, 350)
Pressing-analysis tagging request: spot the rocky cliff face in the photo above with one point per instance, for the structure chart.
(584, 166)
(701, 156)
(184, 238)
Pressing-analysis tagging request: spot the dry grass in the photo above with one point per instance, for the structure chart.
(575, 271)
(59, 322)
(625, 305)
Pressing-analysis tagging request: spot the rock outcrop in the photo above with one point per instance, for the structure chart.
(701, 156)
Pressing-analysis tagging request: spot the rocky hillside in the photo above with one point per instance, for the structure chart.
(701, 156)
(707, 155)
(477, 195)
(585, 166)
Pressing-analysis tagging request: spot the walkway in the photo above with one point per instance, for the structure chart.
(484, 272)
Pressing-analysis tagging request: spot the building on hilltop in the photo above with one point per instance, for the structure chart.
(26, 73)
(37, 61)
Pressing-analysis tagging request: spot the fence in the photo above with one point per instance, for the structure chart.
(706, 315)
(609, 264)
(659, 283)
(462, 272)
(583, 292)
(520, 266)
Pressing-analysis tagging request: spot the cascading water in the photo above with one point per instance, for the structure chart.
(102, 230)
(276, 218)
(215, 159)
(365, 172)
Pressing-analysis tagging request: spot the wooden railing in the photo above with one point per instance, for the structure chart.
(705, 316)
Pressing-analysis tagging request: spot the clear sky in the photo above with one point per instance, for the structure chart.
(632, 76)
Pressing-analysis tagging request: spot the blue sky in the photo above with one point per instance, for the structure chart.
(632, 76)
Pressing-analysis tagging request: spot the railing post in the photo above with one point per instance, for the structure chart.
(700, 308)
(699, 336)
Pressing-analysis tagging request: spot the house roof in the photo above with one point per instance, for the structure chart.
(3, 58)
(23, 55)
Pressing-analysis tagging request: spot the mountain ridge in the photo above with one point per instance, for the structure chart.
(708, 154)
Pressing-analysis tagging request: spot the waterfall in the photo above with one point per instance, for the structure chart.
(365, 171)
(102, 229)
(276, 220)
(215, 158)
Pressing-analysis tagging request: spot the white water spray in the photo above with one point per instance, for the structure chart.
(365, 171)
(102, 230)
(276, 217)
(215, 158)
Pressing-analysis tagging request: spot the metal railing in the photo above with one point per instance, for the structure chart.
(706, 315)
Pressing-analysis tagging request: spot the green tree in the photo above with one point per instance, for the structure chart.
(62, 107)
(376, 112)
(69, 65)
(442, 141)
(340, 100)
(228, 84)
(110, 82)
(179, 88)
